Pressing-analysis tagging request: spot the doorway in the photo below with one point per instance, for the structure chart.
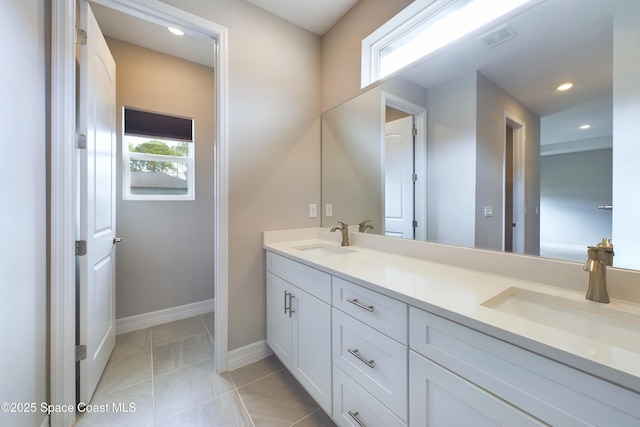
(404, 168)
(514, 225)
(63, 184)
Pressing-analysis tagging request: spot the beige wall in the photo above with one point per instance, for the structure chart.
(274, 145)
(165, 257)
(23, 211)
(342, 47)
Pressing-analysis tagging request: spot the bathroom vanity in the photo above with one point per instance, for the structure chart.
(383, 339)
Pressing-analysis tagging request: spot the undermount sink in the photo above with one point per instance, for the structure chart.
(323, 250)
(599, 322)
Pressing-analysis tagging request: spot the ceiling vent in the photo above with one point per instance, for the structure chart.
(499, 36)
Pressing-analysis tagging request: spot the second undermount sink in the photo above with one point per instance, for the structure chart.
(600, 322)
(323, 250)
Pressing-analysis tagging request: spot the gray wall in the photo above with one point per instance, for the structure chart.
(493, 102)
(573, 185)
(352, 147)
(451, 161)
(465, 154)
(23, 263)
(165, 258)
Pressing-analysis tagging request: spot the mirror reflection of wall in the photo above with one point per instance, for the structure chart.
(473, 94)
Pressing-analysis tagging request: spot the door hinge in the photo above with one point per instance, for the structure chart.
(414, 131)
(81, 36)
(415, 224)
(81, 352)
(81, 247)
(81, 141)
(414, 177)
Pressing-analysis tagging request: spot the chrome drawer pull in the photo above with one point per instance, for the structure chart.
(355, 416)
(370, 363)
(354, 301)
(285, 302)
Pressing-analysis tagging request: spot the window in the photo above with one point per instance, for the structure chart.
(158, 156)
(425, 27)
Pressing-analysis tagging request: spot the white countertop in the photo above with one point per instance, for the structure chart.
(457, 293)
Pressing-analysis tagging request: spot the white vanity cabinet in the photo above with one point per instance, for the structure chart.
(299, 324)
(456, 371)
(369, 359)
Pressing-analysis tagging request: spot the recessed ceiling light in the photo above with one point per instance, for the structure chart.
(565, 86)
(585, 126)
(176, 31)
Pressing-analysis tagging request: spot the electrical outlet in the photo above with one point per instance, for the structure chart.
(328, 210)
(313, 210)
(488, 211)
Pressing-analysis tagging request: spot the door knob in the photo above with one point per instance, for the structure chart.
(117, 240)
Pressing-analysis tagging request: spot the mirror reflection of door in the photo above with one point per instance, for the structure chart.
(399, 171)
(508, 190)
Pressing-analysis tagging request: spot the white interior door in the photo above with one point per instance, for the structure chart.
(97, 166)
(399, 190)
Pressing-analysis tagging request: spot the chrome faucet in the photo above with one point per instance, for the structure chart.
(599, 257)
(363, 226)
(344, 229)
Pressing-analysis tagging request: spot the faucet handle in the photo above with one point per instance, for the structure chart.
(606, 243)
(607, 248)
(344, 225)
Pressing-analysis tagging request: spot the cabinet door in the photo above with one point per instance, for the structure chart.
(312, 346)
(278, 318)
(440, 398)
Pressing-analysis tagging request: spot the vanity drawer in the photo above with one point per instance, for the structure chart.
(548, 390)
(310, 280)
(373, 360)
(381, 312)
(354, 407)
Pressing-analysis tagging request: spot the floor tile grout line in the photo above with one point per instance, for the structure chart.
(190, 365)
(259, 379)
(305, 417)
(244, 406)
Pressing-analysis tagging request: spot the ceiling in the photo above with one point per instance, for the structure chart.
(317, 16)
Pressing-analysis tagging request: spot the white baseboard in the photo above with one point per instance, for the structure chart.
(154, 318)
(248, 354)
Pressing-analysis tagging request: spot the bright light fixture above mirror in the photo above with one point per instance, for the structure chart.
(176, 31)
(427, 26)
(565, 86)
(585, 126)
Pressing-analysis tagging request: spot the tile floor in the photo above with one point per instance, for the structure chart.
(166, 374)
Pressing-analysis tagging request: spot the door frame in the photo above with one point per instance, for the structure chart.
(519, 151)
(64, 194)
(420, 157)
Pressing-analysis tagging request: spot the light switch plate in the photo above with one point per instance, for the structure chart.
(488, 211)
(313, 210)
(328, 210)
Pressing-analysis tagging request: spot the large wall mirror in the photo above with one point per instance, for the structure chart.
(477, 147)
